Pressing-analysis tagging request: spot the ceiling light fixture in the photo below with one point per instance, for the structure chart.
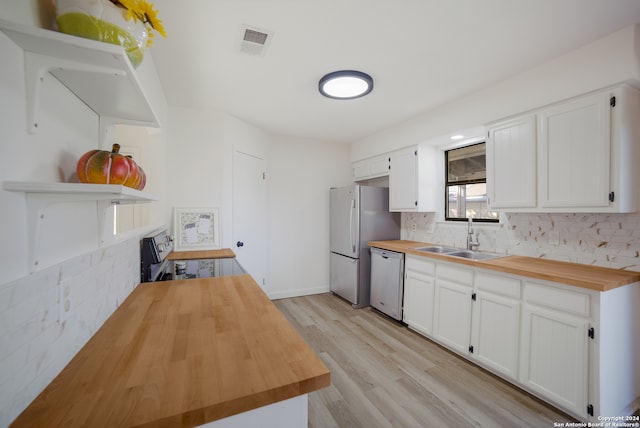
(345, 84)
(457, 137)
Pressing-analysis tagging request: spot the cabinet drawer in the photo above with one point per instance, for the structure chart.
(498, 284)
(421, 265)
(456, 274)
(570, 302)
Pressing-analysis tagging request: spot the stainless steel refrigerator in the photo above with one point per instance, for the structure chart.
(359, 214)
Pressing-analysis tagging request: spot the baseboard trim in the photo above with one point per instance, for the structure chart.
(297, 293)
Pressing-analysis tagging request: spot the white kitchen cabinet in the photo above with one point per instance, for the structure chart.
(555, 346)
(570, 346)
(413, 184)
(575, 148)
(374, 167)
(511, 163)
(496, 323)
(452, 313)
(419, 294)
(578, 155)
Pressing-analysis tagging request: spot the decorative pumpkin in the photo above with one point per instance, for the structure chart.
(103, 167)
(143, 179)
(135, 177)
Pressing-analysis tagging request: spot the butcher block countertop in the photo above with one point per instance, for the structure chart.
(201, 254)
(590, 277)
(181, 354)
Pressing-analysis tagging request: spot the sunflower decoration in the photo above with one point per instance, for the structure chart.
(143, 11)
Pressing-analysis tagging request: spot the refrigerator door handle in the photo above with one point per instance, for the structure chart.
(352, 209)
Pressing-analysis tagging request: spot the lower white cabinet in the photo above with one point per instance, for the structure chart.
(496, 323)
(452, 313)
(555, 357)
(572, 347)
(419, 294)
(556, 327)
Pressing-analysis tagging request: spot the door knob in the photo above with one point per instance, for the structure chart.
(239, 244)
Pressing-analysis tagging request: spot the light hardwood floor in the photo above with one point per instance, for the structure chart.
(385, 375)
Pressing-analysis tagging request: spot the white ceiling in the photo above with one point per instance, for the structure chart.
(421, 54)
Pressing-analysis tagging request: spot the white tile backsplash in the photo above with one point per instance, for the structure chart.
(34, 346)
(608, 240)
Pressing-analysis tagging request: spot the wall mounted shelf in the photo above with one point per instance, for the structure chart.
(100, 74)
(40, 196)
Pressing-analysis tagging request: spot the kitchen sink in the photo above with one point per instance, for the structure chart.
(474, 255)
(437, 249)
(457, 252)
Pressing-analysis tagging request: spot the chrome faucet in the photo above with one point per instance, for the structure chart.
(471, 244)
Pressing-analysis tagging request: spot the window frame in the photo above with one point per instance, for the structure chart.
(448, 184)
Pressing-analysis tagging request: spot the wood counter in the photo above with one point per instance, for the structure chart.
(201, 254)
(181, 354)
(585, 276)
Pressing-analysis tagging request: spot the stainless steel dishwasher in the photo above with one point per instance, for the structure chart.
(387, 282)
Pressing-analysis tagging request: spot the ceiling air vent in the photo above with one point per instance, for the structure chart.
(255, 41)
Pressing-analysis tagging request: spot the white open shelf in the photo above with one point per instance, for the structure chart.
(40, 196)
(77, 192)
(100, 74)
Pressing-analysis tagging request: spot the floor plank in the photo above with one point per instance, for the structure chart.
(385, 375)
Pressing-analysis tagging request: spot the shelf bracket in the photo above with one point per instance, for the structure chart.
(105, 227)
(37, 205)
(40, 196)
(37, 66)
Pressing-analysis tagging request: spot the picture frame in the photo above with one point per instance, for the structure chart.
(196, 228)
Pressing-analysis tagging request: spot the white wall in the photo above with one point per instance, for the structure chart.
(195, 159)
(300, 175)
(34, 345)
(605, 62)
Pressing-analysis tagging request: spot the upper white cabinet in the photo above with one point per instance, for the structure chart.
(374, 167)
(412, 179)
(574, 156)
(511, 163)
(575, 146)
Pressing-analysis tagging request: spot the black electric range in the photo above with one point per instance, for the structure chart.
(155, 266)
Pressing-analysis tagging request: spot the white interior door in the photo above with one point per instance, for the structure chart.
(250, 214)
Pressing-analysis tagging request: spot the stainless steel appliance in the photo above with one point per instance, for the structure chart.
(387, 282)
(155, 265)
(358, 214)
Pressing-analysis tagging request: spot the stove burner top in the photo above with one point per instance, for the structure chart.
(205, 268)
(154, 265)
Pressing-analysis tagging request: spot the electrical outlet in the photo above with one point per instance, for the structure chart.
(414, 227)
(554, 237)
(64, 302)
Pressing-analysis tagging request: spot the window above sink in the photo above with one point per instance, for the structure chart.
(466, 184)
